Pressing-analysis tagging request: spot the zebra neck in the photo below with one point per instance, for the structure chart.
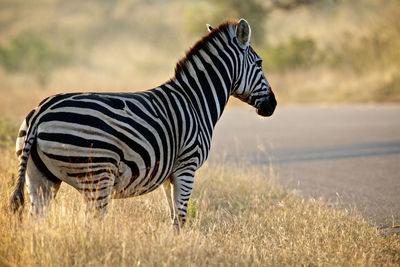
(206, 88)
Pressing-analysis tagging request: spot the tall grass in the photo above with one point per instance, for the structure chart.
(7, 132)
(238, 216)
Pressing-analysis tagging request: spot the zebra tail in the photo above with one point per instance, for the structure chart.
(25, 139)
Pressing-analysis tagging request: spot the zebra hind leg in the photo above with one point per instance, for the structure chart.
(42, 186)
(97, 189)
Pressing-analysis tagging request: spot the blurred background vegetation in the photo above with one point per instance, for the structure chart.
(313, 50)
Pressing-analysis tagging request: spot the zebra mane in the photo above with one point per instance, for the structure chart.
(223, 28)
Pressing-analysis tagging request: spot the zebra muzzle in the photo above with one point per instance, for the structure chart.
(267, 106)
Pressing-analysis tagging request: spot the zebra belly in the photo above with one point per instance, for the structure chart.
(130, 185)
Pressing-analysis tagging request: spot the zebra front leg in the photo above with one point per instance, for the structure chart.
(182, 189)
(97, 193)
(167, 188)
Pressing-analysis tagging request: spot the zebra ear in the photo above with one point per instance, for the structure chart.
(243, 33)
(209, 28)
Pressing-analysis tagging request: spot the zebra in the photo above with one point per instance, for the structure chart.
(119, 145)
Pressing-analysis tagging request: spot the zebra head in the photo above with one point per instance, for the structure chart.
(249, 83)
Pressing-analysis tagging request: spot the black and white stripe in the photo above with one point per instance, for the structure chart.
(116, 145)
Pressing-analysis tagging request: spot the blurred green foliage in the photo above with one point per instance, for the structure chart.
(8, 132)
(255, 12)
(216, 11)
(31, 54)
(372, 51)
(295, 53)
(376, 50)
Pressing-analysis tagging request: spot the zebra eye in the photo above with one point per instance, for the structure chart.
(259, 63)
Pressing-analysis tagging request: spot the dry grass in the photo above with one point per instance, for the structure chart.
(237, 216)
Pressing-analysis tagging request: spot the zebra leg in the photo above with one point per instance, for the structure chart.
(167, 188)
(42, 186)
(182, 189)
(97, 191)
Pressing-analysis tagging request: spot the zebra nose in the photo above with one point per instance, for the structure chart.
(267, 106)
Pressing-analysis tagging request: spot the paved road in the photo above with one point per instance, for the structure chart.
(347, 154)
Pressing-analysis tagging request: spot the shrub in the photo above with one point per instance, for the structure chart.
(295, 53)
(30, 53)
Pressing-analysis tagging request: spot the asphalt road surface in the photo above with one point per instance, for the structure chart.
(346, 154)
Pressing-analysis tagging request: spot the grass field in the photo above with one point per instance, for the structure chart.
(238, 216)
